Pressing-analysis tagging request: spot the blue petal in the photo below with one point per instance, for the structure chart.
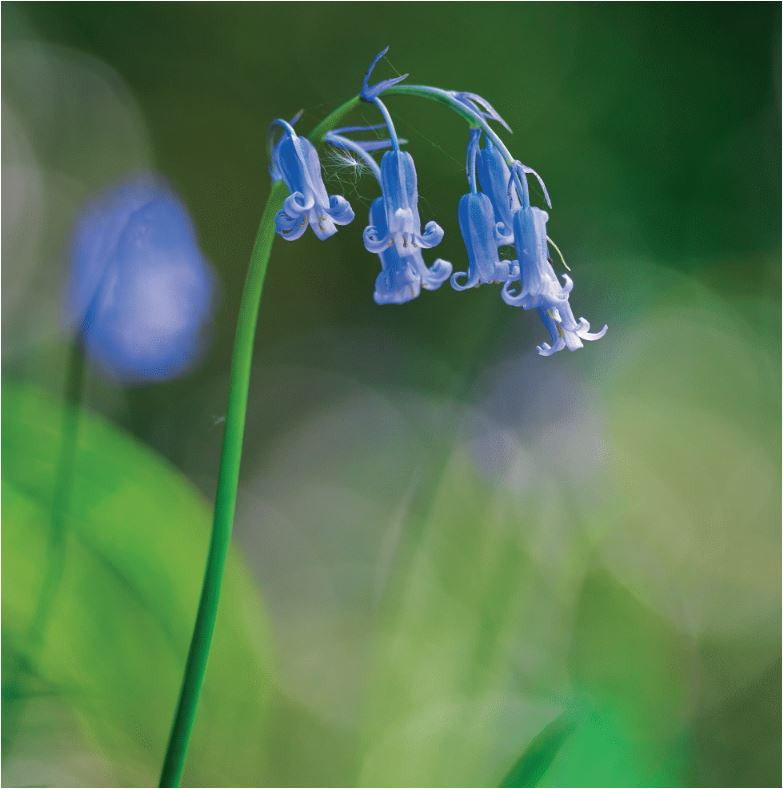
(495, 178)
(297, 203)
(290, 226)
(378, 145)
(558, 341)
(369, 92)
(308, 201)
(431, 237)
(477, 225)
(401, 277)
(540, 288)
(340, 210)
(481, 106)
(401, 204)
(434, 276)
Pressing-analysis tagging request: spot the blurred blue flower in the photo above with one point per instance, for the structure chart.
(480, 233)
(296, 161)
(401, 206)
(540, 288)
(140, 291)
(402, 278)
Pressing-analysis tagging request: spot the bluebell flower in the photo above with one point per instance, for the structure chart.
(296, 161)
(402, 226)
(140, 291)
(481, 236)
(402, 277)
(540, 288)
(495, 179)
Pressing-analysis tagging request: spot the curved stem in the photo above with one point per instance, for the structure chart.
(389, 123)
(54, 563)
(228, 475)
(473, 118)
(470, 159)
(74, 387)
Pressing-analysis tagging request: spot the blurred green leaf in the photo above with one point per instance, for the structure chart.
(632, 707)
(467, 669)
(535, 761)
(118, 632)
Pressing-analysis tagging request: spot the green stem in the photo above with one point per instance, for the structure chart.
(228, 476)
(474, 119)
(54, 562)
(441, 97)
(74, 387)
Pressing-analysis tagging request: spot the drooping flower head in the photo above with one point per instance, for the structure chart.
(495, 213)
(540, 288)
(140, 291)
(297, 162)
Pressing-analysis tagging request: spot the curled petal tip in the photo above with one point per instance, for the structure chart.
(545, 349)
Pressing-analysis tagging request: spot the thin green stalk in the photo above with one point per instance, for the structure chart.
(54, 563)
(74, 387)
(228, 476)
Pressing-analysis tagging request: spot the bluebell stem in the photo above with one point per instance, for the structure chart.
(296, 162)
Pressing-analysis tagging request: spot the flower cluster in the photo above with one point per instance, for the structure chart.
(495, 213)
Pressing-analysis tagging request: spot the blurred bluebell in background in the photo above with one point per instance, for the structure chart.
(140, 291)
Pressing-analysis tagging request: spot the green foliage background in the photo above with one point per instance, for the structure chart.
(456, 563)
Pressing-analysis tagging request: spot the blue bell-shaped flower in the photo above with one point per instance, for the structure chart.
(296, 160)
(400, 196)
(481, 236)
(540, 288)
(402, 277)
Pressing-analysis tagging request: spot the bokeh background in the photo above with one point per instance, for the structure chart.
(455, 562)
